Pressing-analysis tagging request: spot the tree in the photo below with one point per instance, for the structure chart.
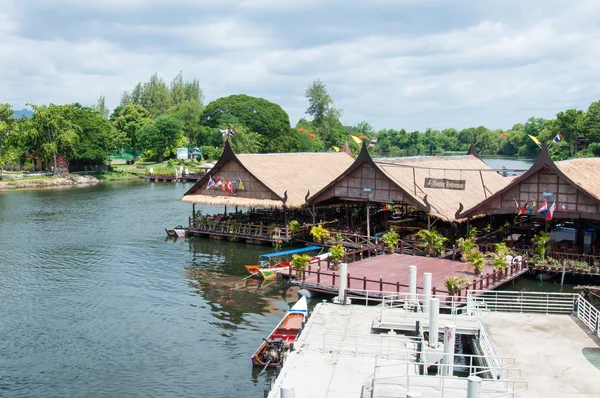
(160, 136)
(96, 137)
(129, 122)
(326, 117)
(6, 122)
(177, 89)
(53, 127)
(570, 124)
(592, 122)
(257, 115)
(189, 113)
(101, 107)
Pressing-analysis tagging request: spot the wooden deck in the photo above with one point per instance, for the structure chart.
(389, 273)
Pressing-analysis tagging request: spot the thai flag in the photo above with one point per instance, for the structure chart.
(211, 182)
(231, 133)
(550, 212)
(557, 139)
(224, 132)
(373, 142)
(543, 208)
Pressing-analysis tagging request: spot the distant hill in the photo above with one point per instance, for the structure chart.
(23, 112)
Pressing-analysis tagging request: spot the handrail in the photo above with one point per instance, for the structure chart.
(588, 314)
(509, 301)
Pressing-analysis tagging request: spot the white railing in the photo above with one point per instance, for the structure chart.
(404, 299)
(441, 386)
(369, 344)
(488, 350)
(588, 314)
(509, 301)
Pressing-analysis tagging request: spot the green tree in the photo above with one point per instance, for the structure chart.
(570, 124)
(96, 137)
(592, 122)
(189, 113)
(6, 123)
(326, 117)
(131, 119)
(177, 89)
(52, 126)
(257, 115)
(101, 107)
(160, 136)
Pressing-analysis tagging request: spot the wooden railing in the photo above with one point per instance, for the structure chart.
(245, 230)
(490, 281)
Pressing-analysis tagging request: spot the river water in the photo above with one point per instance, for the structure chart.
(97, 302)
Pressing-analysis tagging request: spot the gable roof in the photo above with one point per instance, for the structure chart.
(409, 174)
(290, 177)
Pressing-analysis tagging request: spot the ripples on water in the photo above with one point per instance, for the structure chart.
(96, 302)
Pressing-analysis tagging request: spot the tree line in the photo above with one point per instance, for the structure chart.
(156, 117)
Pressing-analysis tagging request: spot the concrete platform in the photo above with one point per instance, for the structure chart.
(549, 352)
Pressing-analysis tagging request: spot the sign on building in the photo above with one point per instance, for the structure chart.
(444, 183)
(182, 153)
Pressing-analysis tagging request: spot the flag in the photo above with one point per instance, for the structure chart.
(564, 207)
(218, 183)
(223, 186)
(538, 143)
(211, 182)
(543, 208)
(373, 142)
(532, 207)
(523, 209)
(516, 204)
(550, 212)
(241, 185)
(335, 148)
(557, 139)
(356, 139)
(224, 132)
(229, 186)
(231, 133)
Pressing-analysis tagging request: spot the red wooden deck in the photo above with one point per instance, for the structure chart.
(389, 273)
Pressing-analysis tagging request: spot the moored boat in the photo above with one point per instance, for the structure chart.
(177, 232)
(269, 269)
(273, 349)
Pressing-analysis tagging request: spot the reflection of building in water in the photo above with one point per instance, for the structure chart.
(230, 299)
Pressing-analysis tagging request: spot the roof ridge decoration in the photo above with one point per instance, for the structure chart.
(473, 151)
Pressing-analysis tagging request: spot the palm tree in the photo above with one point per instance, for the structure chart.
(431, 240)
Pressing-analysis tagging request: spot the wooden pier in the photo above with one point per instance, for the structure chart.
(384, 273)
(190, 177)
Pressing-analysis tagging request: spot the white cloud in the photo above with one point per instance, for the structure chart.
(397, 64)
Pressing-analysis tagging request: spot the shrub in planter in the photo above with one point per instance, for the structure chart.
(299, 263)
(465, 245)
(431, 241)
(319, 233)
(390, 239)
(476, 260)
(337, 254)
(455, 284)
(294, 227)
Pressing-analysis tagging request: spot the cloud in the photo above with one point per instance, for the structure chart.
(396, 64)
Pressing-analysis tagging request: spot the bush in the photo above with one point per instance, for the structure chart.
(594, 147)
(294, 227)
(209, 152)
(337, 254)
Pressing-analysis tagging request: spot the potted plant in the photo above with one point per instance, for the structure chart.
(476, 260)
(319, 233)
(299, 263)
(336, 253)
(293, 227)
(390, 239)
(465, 245)
(455, 284)
(539, 244)
(431, 241)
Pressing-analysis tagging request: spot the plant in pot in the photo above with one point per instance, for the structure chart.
(319, 233)
(471, 233)
(455, 284)
(336, 253)
(293, 227)
(299, 263)
(476, 260)
(540, 242)
(465, 245)
(390, 239)
(431, 241)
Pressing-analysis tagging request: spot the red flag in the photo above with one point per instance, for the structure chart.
(550, 212)
(523, 209)
(516, 205)
(564, 207)
(229, 186)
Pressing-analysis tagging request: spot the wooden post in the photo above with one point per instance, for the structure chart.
(368, 224)
(348, 280)
(318, 274)
(225, 214)
(428, 222)
(314, 215)
(364, 283)
(380, 283)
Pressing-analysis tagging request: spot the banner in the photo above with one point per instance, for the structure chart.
(444, 183)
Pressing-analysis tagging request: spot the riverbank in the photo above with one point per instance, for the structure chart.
(43, 181)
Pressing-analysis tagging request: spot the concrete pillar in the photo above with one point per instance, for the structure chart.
(474, 387)
(449, 340)
(413, 394)
(287, 392)
(412, 283)
(426, 291)
(434, 306)
(343, 282)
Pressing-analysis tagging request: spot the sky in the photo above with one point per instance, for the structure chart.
(408, 64)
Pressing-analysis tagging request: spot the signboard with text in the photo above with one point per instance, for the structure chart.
(444, 183)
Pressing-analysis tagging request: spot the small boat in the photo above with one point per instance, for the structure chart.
(267, 270)
(274, 348)
(177, 232)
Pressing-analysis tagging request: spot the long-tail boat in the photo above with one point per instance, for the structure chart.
(273, 349)
(269, 269)
(176, 232)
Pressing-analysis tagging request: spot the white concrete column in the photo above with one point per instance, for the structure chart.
(426, 291)
(434, 305)
(474, 387)
(412, 283)
(449, 340)
(287, 392)
(343, 282)
(413, 394)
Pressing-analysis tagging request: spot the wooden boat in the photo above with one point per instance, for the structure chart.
(265, 269)
(272, 351)
(176, 232)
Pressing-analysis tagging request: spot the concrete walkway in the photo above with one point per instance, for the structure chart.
(549, 352)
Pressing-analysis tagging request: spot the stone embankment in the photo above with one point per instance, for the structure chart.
(48, 182)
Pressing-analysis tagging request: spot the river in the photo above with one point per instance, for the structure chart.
(97, 302)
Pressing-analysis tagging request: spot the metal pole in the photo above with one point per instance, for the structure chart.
(449, 341)
(434, 305)
(562, 277)
(287, 392)
(368, 224)
(412, 283)
(426, 291)
(474, 387)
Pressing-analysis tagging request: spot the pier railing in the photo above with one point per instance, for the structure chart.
(588, 314)
(355, 344)
(532, 302)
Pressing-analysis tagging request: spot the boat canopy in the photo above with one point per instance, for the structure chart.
(294, 251)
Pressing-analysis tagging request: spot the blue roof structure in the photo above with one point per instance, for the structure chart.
(293, 251)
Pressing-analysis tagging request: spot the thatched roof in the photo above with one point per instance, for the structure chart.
(407, 177)
(279, 178)
(580, 173)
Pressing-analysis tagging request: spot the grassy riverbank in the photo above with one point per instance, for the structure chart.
(50, 181)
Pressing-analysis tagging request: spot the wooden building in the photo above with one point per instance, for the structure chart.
(435, 185)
